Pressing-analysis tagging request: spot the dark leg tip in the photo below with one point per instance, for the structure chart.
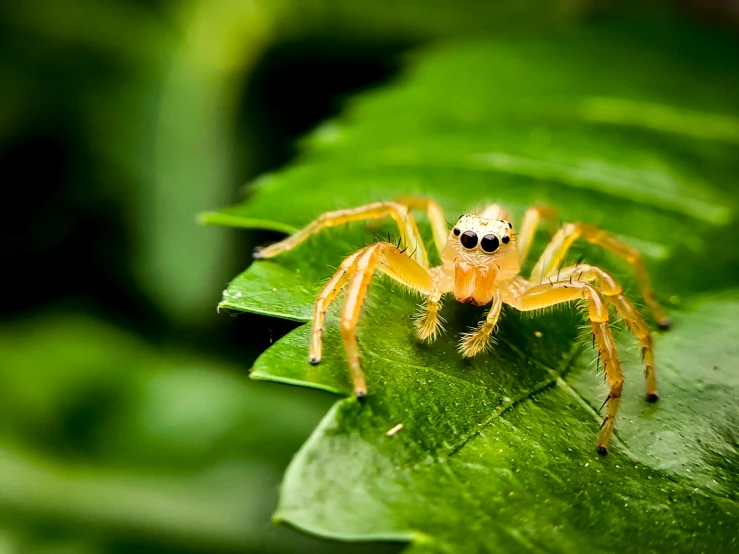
(602, 450)
(664, 324)
(313, 360)
(652, 397)
(361, 394)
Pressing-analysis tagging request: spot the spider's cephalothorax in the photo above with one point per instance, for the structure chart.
(478, 257)
(481, 261)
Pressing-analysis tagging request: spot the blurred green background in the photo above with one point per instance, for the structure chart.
(127, 422)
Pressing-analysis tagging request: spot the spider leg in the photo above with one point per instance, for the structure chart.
(410, 235)
(357, 271)
(531, 220)
(436, 218)
(478, 340)
(329, 293)
(543, 296)
(567, 234)
(613, 292)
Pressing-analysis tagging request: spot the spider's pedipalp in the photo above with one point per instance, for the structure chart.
(478, 340)
(429, 323)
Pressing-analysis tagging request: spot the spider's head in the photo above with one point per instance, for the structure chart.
(480, 240)
(479, 254)
(484, 242)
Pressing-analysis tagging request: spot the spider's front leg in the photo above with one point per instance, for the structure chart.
(626, 310)
(409, 233)
(568, 233)
(346, 271)
(544, 296)
(356, 271)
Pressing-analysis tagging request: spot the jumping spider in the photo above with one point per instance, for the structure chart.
(481, 261)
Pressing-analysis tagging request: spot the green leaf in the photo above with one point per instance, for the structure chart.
(626, 128)
(117, 442)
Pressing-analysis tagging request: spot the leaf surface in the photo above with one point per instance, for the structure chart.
(620, 127)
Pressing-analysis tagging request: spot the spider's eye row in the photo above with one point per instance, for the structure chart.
(468, 239)
(506, 239)
(489, 243)
(456, 231)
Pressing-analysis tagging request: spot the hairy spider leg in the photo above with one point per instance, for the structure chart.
(544, 296)
(531, 220)
(568, 233)
(409, 233)
(613, 292)
(478, 340)
(358, 270)
(327, 295)
(435, 214)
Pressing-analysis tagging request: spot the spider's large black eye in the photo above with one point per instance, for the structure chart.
(489, 243)
(468, 239)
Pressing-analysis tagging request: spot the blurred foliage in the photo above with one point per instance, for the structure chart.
(148, 95)
(106, 439)
(119, 120)
(629, 126)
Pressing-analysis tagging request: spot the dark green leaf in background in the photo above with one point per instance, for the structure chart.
(633, 129)
(107, 438)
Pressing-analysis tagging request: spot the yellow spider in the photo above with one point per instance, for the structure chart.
(481, 261)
